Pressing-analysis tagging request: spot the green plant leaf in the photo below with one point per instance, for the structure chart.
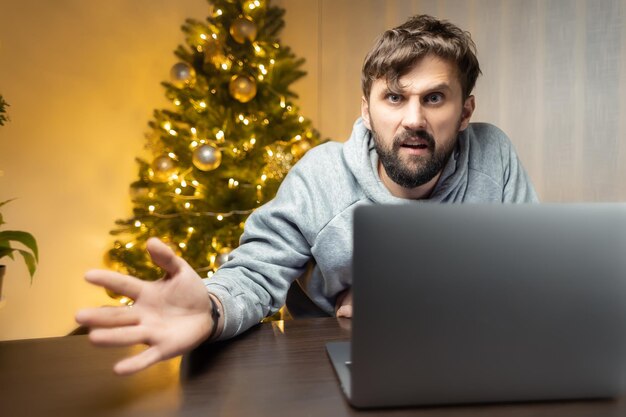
(2, 203)
(6, 251)
(24, 238)
(30, 262)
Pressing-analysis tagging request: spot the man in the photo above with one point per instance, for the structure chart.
(414, 142)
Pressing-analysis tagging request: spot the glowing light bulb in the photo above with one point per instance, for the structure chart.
(224, 66)
(137, 223)
(178, 191)
(182, 245)
(220, 217)
(190, 229)
(298, 137)
(203, 36)
(282, 102)
(272, 61)
(187, 204)
(270, 153)
(246, 122)
(194, 144)
(252, 141)
(263, 177)
(214, 36)
(301, 119)
(195, 183)
(193, 131)
(241, 117)
(219, 135)
(167, 125)
(202, 104)
(129, 245)
(183, 183)
(218, 12)
(173, 132)
(172, 155)
(177, 102)
(151, 209)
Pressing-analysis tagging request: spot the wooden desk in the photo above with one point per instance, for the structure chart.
(272, 370)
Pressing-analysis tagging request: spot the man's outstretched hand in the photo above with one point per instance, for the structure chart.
(171, 316)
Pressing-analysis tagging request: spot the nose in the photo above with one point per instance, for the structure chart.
(414, 117)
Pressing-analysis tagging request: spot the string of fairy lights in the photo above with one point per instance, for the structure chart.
(186, 138)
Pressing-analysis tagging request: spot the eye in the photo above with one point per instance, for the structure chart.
(393, 98)
(434, 98)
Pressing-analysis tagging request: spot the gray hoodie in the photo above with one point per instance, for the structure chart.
(310, 219)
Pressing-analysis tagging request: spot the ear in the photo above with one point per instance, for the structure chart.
(468, 109)
(365, 113)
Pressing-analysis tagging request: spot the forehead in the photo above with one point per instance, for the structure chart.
(426, 73)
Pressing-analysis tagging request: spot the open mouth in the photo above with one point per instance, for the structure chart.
(415, 145)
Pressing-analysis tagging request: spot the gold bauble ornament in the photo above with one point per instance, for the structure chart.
(242, 29)
(300, 147)
(211, 48)
(182, 74)
(223, 256)
(242, 88)
(162, 168)
(206, 157)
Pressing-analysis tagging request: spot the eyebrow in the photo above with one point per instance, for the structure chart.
(440, 86)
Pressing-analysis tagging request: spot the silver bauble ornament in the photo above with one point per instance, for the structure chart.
(182, 74)
(162, 168)
(242, 88)
(242, 29)
(207, 157)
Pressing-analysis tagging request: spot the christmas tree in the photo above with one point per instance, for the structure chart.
(224, 146)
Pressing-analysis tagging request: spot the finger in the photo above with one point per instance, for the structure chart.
(138, 362)
(118, 336)
(107, 317)
(164, 256)
(345, 311)
(119, 283)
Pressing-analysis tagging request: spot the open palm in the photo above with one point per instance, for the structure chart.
(171, 316)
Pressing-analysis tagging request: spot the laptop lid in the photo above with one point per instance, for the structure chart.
(487, 303)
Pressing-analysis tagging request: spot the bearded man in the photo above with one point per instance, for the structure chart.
(414, 143)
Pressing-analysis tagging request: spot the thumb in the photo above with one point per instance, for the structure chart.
(163, 256)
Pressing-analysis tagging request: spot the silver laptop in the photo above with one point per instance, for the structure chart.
(485, 303)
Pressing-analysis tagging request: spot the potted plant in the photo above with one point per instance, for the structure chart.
(8, 238)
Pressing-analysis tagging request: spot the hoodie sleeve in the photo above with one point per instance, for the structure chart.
(274, 250)
(518, 187)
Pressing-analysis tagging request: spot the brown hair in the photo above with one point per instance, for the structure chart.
(397, 50)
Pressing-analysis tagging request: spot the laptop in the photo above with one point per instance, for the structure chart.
(485, 303)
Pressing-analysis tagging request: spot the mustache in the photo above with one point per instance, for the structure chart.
(411, 135)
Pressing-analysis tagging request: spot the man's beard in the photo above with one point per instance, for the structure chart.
(418, 169)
